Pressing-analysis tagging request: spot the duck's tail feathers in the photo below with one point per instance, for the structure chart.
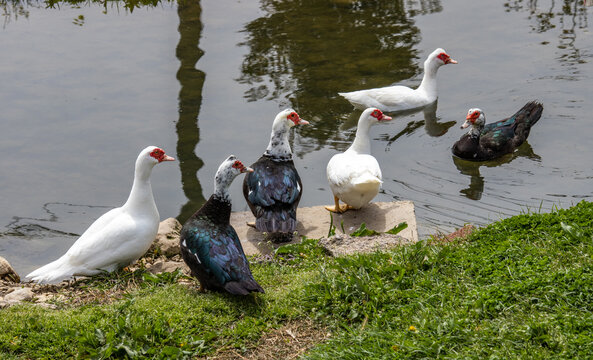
(366, 182)
(533, 111)
(243, 287)
(277, 221)
(51, 273)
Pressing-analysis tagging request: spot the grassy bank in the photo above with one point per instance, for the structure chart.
(519, 288)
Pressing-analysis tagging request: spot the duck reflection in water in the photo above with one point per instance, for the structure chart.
(472, 169)
(431, 123)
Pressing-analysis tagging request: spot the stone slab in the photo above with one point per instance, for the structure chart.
(314, 222)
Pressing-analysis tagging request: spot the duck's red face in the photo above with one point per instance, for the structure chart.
(445, 58)
(295, 118)
(242, 168)
(472, 115)
(378, 114)
(160, 155)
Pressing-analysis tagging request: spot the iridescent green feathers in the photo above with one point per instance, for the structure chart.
(210, 245)
(489, 141)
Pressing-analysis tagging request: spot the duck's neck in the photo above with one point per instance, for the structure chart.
(279, 147)
(222, 182)
(361, 143)
(474, 131)
(218, 207)
(141, 197)
(217, 210)
(429, 80)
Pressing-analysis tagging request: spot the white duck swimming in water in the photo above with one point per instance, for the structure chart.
(354, 176)
(118, 237)
(398, 97)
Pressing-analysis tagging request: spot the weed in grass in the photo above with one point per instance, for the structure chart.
(363, 231)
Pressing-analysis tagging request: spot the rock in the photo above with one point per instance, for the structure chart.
(341, 244)
(314, 222)
(18, 295)
(162, 265)
(167, 239)
(7, 272)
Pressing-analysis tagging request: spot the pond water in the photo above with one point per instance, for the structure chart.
(85, 87)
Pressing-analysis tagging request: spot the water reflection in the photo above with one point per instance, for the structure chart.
(472, 169)
(431, 123)
(301, 54)
(51, 223)
(14, 9)
(567, 17)
(190, 101)
(191, 79)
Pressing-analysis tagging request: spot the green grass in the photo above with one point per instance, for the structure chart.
(519, 288)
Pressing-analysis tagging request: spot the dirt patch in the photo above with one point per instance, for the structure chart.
(287, 342)
(101, 289)
(460, 233)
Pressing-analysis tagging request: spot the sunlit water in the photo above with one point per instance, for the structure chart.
(84, 89)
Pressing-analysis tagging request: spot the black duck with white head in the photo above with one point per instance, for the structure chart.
(489, 141)
(210, 245)
(273, 190)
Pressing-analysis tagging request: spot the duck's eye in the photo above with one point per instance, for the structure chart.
(157, 153)
(237, 164)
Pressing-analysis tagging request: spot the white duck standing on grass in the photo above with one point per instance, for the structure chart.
(398, 97)
(118, 237)
(354, 176)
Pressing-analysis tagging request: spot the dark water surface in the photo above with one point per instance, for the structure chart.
(85, 87)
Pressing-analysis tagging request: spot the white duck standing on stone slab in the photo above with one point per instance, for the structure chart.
(398, 97)
(118, 237)
(354, 176)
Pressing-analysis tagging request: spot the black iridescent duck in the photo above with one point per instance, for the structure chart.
(487, 142)
(273, 190)
(209, 243)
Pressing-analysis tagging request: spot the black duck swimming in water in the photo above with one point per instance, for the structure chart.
(486, 142)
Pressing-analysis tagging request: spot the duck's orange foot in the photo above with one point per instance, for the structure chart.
(340, 209)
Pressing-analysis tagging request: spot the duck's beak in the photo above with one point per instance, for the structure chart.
(167, 158)
(385, 118)
(246, 169)
(466, 124)
(451, 61)
(303, 122)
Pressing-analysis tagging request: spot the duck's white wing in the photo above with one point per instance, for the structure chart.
(390, 98)
(112, 241)
(344, 168)
(394, 96)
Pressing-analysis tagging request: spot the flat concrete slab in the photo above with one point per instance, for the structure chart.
(314, 222)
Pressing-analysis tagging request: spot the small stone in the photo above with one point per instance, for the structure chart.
(18, 295)
(48, 306)
(167, 239)
(161, 266)
(7, 272)
(341, 244)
